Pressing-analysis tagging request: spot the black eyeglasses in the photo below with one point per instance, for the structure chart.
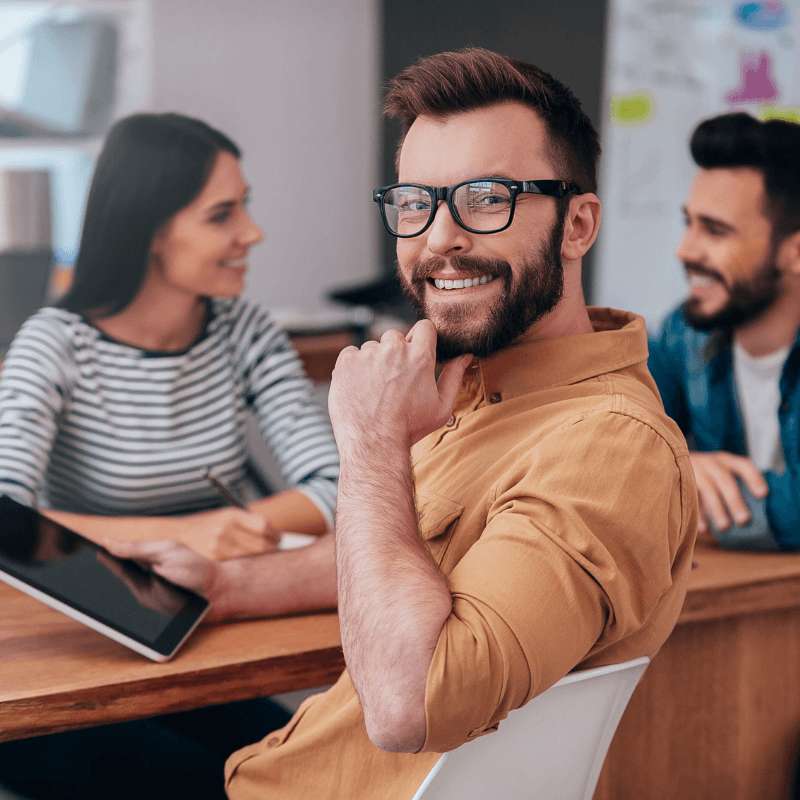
(480, 206)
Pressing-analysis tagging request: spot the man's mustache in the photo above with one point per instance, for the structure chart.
(699, 269)
(470, 266)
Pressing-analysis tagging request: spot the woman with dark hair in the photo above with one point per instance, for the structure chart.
(114, 403)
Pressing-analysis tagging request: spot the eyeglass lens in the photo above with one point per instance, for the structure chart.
(480, 205)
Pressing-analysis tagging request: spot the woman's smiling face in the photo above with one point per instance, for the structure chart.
(203, 249)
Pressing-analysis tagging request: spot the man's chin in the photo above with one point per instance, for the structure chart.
(453, 341)
(702, 320)
(730, 317)
(447, 349)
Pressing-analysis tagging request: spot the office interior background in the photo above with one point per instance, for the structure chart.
(298, 85)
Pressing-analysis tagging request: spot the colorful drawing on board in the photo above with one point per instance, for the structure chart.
(787, 113)
(764, 16)
(757, 82)
(633, 108)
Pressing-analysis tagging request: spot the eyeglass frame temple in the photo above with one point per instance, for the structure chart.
(445, 193)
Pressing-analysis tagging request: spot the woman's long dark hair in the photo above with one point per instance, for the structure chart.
(151, 166)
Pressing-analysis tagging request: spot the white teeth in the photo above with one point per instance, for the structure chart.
(701, 281)
(465, 283)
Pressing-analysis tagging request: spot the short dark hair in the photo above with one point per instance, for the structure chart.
(449, 83)
(772, 147)
(151, 166)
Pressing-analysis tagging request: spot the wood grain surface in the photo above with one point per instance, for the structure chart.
(56, 674)
(717, 714)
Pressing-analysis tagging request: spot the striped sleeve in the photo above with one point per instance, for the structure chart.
(297, 430)
(34, 388)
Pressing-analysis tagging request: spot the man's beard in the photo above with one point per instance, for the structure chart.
(747, 299)
(526, 297)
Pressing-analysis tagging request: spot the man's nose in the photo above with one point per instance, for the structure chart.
(445, 235)
(689, 248)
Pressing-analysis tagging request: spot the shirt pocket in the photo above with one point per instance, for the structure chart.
(437, 516)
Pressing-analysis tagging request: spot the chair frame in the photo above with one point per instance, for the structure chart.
(572, 722)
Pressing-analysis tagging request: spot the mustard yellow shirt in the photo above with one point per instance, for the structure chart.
(560, 503)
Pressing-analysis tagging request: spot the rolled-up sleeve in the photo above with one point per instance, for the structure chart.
(577, 550)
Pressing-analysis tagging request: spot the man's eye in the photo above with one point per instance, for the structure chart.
(414, 206)
(220, 217)
(715, 230)
(488, 201)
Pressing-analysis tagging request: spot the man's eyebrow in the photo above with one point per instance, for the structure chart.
(709, 221)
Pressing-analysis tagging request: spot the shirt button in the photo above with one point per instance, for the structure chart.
(451, 421)
(496, 397)
(273, 741)
(784, 409)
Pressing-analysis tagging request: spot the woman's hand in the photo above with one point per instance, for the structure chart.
(224, 533)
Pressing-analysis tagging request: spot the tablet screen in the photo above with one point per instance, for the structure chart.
(72, 571)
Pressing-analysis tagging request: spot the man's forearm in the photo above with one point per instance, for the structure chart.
(283, 582)
(392, 599)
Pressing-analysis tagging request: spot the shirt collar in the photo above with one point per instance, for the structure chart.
(530, 364)
(720, 339)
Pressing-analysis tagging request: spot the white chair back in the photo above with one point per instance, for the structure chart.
(551, 749)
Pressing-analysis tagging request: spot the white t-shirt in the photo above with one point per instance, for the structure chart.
(758, 388)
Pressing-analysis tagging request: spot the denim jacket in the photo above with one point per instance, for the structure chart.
(694, 373)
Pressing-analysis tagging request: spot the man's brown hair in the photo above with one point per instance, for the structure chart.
(449, 83)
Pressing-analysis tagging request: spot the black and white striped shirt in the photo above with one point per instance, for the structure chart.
(94, 426)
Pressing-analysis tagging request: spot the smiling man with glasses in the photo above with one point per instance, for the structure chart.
(531, 511)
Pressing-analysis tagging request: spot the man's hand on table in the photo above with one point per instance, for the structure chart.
(260, 585)
(177, 563)
(142, 584)
(718, 492)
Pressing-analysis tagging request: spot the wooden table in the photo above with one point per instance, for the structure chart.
(56, 674)
(717, 714)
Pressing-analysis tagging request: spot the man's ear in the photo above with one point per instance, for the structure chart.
(580, 226)
(789, 253)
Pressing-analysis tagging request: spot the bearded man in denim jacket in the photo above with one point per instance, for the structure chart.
(727, 361)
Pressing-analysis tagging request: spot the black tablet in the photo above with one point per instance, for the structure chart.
(114, 596)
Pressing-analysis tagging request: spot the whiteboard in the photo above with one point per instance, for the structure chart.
(668, 66)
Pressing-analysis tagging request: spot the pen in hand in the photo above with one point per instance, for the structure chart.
(225, 491)
(228, 492)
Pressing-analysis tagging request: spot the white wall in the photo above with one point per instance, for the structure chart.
(296, 85)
